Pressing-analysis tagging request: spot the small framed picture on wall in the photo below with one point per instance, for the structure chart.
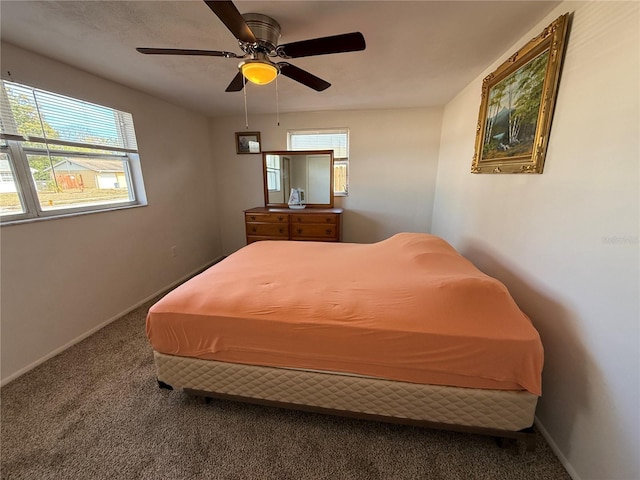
(248, 142)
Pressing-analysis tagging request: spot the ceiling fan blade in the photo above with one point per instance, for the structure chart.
(237, 84)
(230, 16)
(303, 77)
(180, 51)
(347, 42)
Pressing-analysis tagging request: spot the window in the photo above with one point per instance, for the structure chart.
(336, 140)
(10, 202)
(60, 155)
(273, 173)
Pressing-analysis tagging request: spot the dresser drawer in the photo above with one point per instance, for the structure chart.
(314, 231)
(315, 218)
(267, 217)
(268, 229)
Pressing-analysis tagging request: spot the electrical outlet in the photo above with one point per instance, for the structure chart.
(174, 251)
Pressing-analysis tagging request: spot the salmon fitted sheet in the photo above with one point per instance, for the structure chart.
(408, 308)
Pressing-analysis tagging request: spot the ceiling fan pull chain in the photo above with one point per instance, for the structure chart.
(277, 104)
(246, 114)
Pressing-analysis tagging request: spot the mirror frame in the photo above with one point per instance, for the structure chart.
(292, 153)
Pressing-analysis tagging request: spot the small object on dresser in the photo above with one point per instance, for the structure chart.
(296, 199)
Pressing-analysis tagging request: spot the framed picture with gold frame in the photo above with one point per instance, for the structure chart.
(517, 105)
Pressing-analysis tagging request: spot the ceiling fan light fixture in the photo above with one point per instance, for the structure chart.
(259, 72)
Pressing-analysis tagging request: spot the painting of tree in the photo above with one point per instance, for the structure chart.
(512, 111)
(517, 103)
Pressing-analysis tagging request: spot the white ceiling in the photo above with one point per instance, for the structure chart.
(419, 53)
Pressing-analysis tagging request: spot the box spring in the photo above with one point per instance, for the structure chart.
(494, 412)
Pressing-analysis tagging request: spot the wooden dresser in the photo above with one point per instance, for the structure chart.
(269, 223)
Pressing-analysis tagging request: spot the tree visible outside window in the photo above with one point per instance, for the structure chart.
(63, 155)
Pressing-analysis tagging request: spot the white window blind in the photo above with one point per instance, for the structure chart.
(36, 116)
(325, 140)
(63, 155)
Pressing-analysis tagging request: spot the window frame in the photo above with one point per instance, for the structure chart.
(337, 161)
(17, 149)
(11, 150)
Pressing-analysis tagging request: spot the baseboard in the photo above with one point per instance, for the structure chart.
(78, 339)
(554, 446)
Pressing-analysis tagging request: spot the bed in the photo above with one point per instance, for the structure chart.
(403, 330)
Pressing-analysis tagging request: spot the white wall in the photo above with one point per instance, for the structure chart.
(392, 165)
(63, 278)
(566, 242)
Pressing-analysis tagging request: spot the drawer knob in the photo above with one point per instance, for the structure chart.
(280, 219)
(328, 220)
(253, 217)
(328, 231)
(254, 230)
(281, 230)
(299, 231)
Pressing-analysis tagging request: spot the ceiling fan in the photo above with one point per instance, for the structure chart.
(258, 36)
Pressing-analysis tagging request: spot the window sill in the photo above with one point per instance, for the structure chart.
(8, 223)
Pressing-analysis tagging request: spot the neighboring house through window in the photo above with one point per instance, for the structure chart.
(60, 155)
(329, 139)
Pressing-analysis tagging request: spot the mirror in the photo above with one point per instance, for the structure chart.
(309, 171)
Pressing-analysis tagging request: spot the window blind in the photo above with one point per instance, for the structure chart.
(336, 141)
(34, 115)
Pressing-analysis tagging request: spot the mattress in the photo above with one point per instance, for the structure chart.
(409, 309)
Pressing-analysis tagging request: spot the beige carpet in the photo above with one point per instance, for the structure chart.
(95, 412)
